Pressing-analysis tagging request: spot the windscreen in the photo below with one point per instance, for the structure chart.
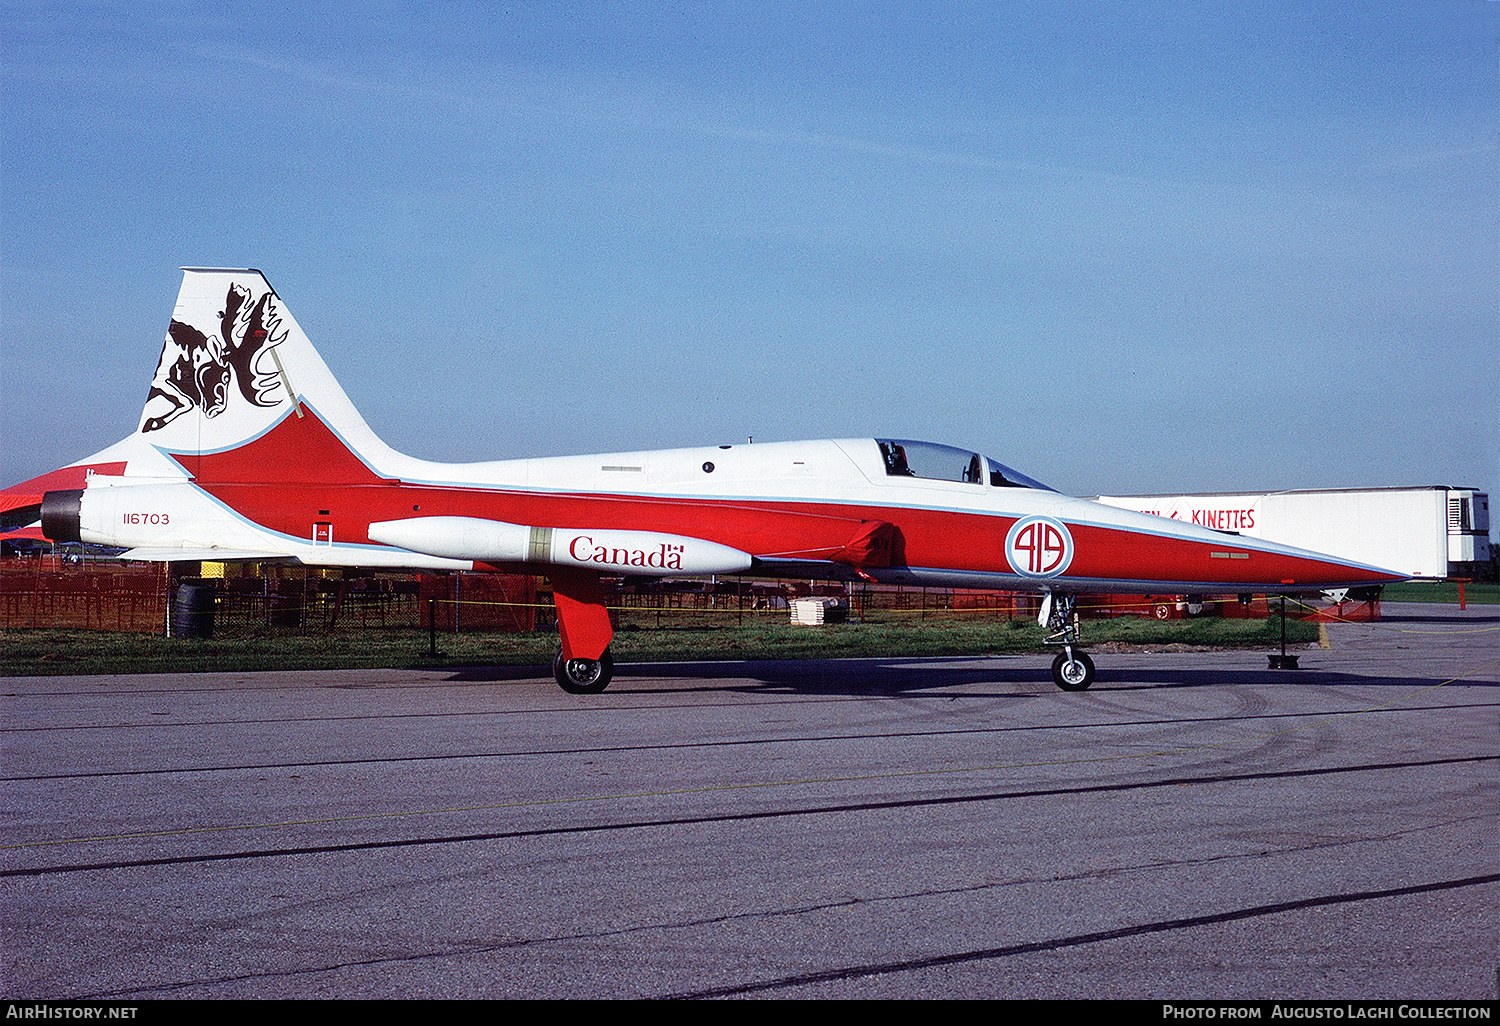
(906, 458)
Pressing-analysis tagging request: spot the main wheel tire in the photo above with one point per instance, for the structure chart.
(1073, 673)
(583, 676)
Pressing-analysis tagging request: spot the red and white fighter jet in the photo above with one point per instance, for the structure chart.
(248, 448)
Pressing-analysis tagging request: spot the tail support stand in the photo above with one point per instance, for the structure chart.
(1282, 661)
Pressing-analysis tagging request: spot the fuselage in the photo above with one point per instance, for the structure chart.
(829, 508)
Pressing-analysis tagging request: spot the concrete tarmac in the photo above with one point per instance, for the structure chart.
(1196, 826)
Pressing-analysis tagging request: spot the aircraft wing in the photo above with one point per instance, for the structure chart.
(170, 555)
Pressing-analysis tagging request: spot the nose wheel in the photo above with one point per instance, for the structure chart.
(1073, 670)
(583, 676)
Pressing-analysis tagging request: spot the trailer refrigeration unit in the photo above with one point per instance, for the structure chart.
(1436, 532)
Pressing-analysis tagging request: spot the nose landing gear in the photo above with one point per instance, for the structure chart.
(1072, 670)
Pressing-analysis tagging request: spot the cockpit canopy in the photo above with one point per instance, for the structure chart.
(905, 458)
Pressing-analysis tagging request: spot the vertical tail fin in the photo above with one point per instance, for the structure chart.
(235, 363)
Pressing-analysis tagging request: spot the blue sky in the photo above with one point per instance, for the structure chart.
(1123, 248)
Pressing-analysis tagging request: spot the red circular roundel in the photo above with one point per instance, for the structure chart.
(1039, 547)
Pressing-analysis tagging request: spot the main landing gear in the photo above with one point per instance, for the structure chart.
(1072, 670)
(583, 676)
(584, 625)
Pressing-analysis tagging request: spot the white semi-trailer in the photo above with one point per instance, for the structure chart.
(1435, 532)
